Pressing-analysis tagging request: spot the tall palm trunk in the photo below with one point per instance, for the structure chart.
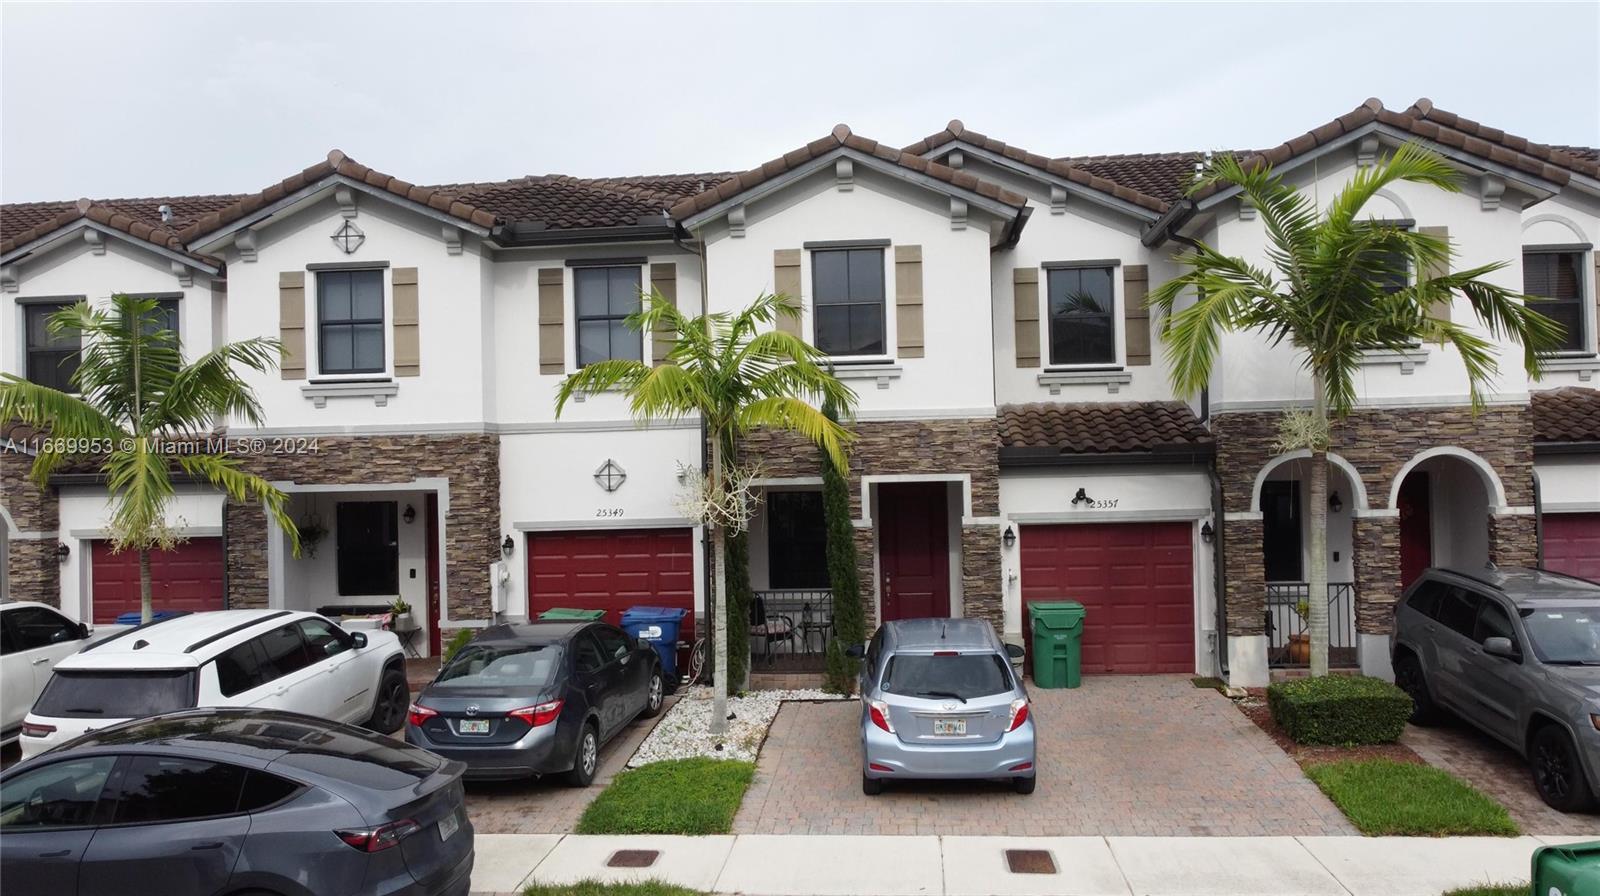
(144, 584)
(1317, 584)
(719, 587)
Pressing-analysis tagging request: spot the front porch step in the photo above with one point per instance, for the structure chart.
(785, 681)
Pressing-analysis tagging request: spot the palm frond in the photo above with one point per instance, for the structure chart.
(794, 415)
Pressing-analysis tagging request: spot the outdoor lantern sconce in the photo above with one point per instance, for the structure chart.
(1334, 504)
(1081, 497)
(410, 515)
(62, 551)
(1010, 538)
(1208, 534)
(507, 546)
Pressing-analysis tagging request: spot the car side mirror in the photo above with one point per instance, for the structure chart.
(359, 639)
(1500, 647)
(1015, 651)
(855, 651)
(83, 631)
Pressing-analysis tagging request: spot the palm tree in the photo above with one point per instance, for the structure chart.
(1340, 286)
(138, 410)
(736, 374)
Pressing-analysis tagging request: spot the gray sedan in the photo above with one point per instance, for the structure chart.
(939, 700)
(211, 801)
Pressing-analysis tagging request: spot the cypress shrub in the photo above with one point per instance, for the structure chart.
(849, 616)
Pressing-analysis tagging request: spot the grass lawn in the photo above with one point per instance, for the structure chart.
(1383, 797)
(680, 796)
(595, 888)
(1493, 890)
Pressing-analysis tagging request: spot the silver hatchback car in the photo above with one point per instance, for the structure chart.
(939, 700)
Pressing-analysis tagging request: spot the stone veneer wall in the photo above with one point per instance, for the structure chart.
(911, 447)
(33, 572)
(471, 463)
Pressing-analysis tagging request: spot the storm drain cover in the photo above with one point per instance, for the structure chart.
(642, 858)
(1030, 861)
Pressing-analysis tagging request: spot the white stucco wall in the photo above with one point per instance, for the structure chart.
(85, 515)
(1568, 484)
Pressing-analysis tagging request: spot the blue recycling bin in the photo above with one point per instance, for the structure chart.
(155, 616)
(659, 626)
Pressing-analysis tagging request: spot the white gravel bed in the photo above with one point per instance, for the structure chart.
(683, 732)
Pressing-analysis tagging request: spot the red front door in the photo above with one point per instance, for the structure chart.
(914, 550)
(1416, 528)
(188, 577)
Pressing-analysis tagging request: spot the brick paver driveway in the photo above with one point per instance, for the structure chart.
(1123, 755)
(1498, 771)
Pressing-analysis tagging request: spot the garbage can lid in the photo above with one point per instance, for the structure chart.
(653, 614)
(571, 613)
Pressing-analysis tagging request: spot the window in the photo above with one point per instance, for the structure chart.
(324, 638)
(72, 694)
(59, 795)
(605, 297)
(589, 658)
(369, 548)
(167, 788)
(797, 540)
(1557, 278)
(242, 668)
(1081, 326)
(350, 321)
(614, 644)
(1458, 610)
(964, 676)
(167, 316)
(262, 790)
(52, 358)
(1425, 599)
(1493, 622)
(847, 290)
(283, 652)
(500, 664)
(33, 627)
(1280, 530)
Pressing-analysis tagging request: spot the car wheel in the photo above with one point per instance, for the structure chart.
(1558, 772)
(871, 786)
(587, 760)
(1408, 675)
(656, 696)
(394, 697)
(1025, 785)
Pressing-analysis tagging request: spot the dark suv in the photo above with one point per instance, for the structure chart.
(1516, 652)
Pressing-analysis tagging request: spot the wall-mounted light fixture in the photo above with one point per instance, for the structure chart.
(1081, 497)
(1208, 534)
(62, 552)
(1010, 538)
(507, 546)
(410, 515)
(1334, 502)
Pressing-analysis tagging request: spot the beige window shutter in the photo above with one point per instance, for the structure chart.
(908, 301)
(407, 332)
(1440, 309)
(1594, 285)
(552, 332)
(1025, 295)
(786, 282)
(664, 282)
(292, 323)
(1135, 316)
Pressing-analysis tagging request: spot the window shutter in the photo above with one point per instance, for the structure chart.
(1135, 316)
(292, 323)
(552, 336)
(1594, 286)
(908, 301)
(664, 282)
(1440, 310)
(407, 332)
(1025, 294)
(786, 282)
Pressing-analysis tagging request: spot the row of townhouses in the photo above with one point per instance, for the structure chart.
(1013, 445)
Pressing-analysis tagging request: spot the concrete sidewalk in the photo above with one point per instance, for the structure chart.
(770, 865)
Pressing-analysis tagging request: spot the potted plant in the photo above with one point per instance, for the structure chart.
(311, 532)
(1300, 644)
(400, 615)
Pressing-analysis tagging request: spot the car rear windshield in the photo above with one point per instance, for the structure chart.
(358, 757)
(116, 695)
(1567, 635)
(504, 664)
(958, 676)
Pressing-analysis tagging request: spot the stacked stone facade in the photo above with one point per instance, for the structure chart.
(33, 571)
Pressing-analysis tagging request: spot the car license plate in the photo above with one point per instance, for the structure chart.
(952, 727)
(448, 825)
(474, 726)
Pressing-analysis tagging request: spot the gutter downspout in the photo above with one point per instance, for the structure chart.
(708, 582)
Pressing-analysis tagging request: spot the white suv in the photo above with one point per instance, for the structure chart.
(33, 638)
(273, 659)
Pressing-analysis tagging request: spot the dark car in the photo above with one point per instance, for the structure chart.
(211, 801)
(1516, 652)
(537, 698)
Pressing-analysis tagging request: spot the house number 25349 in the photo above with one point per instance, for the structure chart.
(608, 512)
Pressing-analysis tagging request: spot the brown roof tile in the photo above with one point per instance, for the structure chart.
(1570, 414)
(1101, 427)
(1581, 159)
(115, 216)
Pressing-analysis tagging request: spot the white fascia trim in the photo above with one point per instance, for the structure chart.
(1241, 516)
(1553, 508)
(1045, 177)
(975, 200)
(1413, 401)
(69, 230)
(591, 524)
(186, 532)
(786, 481)
(888, 414)
(1176, 514)
(475, 428)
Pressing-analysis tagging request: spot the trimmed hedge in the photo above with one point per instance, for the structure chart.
(1341, 710)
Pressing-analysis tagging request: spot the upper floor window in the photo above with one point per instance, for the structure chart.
(166, 316)
(605, 297)
(847, 290)
(350, 321)
(1082, 330)
(52, 358)
(1557, 278)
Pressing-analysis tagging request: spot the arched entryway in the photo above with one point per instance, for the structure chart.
(1443, 499)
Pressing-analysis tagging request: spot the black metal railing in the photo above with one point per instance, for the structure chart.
(1288, 642)
(799, 622)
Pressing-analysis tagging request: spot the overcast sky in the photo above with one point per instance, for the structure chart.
(136, 100)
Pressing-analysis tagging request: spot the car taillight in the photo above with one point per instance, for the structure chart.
(379, 838)
(416, 715)
(879, 711)
(543, 714)
(34, 729)
(1019, 714)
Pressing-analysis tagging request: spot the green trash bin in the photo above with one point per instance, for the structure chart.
(570, 614)
(1057, 643)
(1571, 870)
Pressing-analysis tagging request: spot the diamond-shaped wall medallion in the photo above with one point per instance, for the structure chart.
(349, 238)
(610, 476)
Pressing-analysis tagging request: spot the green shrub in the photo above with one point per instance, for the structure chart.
(1340, 710)
(458, 641)
(679, 796)
(849, 616)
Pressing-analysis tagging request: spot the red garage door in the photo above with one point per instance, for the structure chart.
(1572, 544)
(189, 577)
(612, 570)
(1136, 581)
